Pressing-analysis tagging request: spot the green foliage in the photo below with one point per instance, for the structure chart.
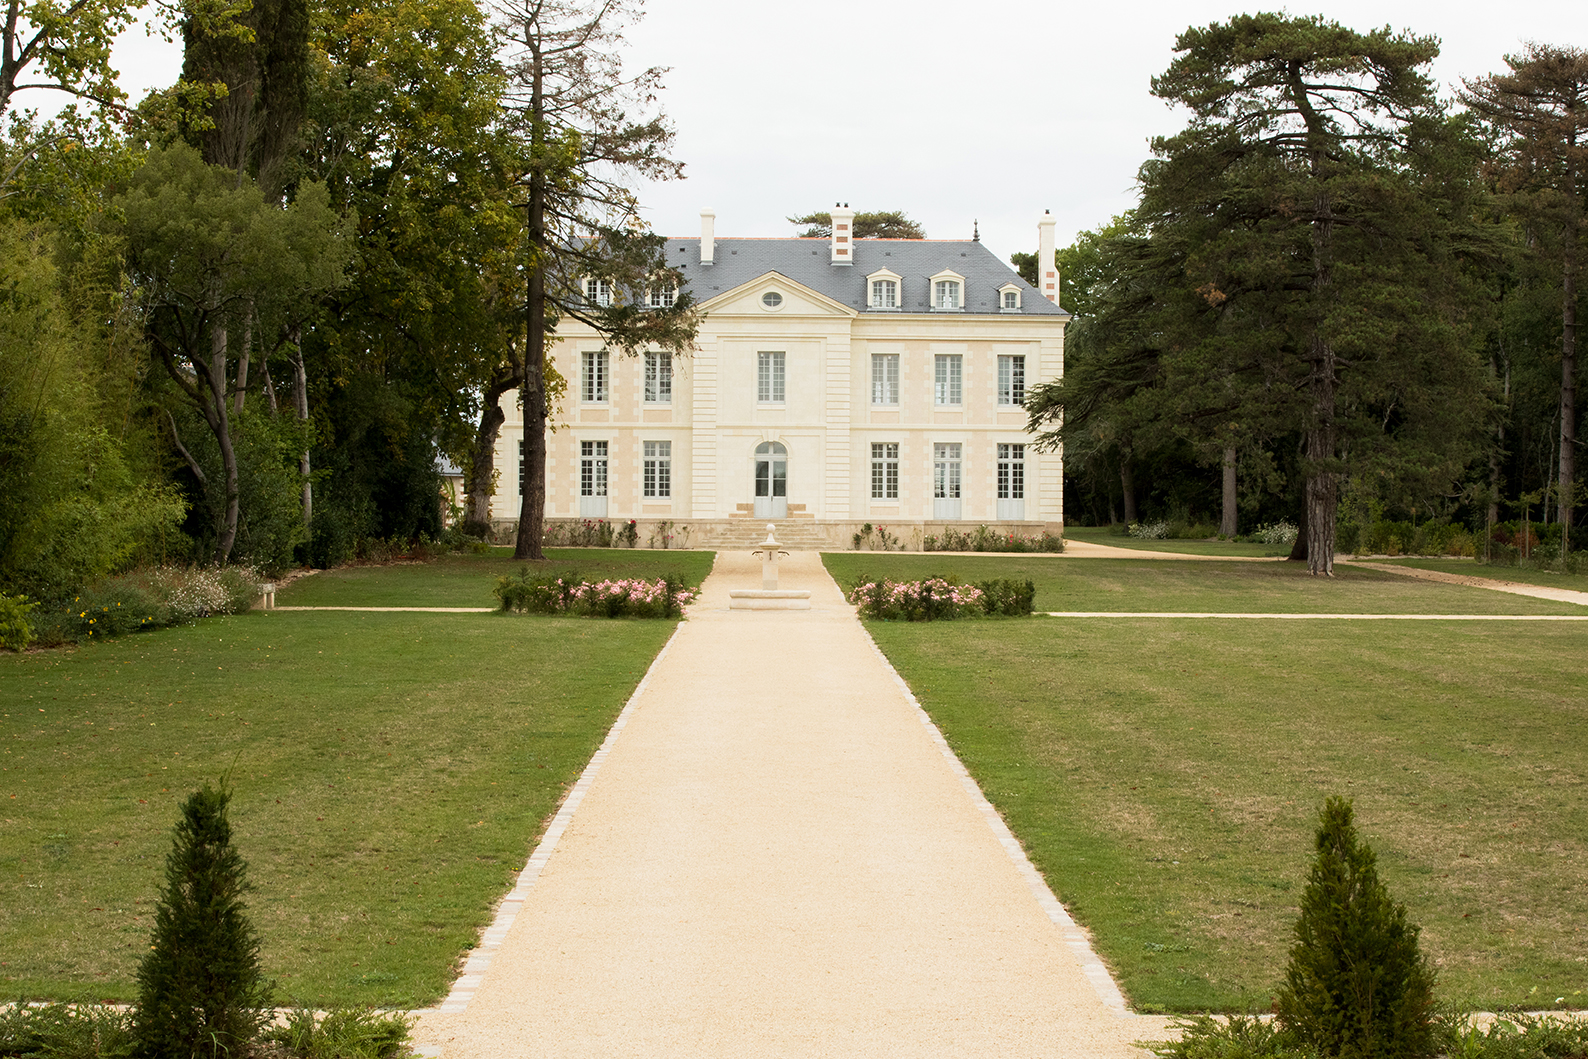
(344, 1033)
(1514, 1037)
(983, 539)
(1235, 1037)
(1357, 984)
(65, 1031)
(940, 599)
(1008, 597)
(200, 988)
(566, 593)
(16, 630)
(877, 224)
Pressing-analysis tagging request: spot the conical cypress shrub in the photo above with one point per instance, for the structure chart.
(201, 991)
(1357, 986)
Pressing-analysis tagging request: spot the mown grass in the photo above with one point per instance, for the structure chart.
(391, 771)
(1076, 584)
(1165, 776)
(467, 580)
(1103, 535)
(1473, 568)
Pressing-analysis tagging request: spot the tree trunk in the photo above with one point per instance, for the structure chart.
(300, 387)
(1127, 484)
(1227, 519)
(1568, 396)
(532, 513)
(242, 357)
(1322, 490)
(482, 459)
(220, 425)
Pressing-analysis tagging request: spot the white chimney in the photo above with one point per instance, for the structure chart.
(708, 236)
(1047, 263)
(843, 235)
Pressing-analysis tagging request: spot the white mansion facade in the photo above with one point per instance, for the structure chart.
(835, 383)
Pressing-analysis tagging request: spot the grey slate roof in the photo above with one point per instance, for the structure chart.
(807, 262)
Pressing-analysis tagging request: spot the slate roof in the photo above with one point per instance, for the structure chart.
(807, 262)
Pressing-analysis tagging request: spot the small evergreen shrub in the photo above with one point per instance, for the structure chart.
(16, 628)
(201, 991)
(1357, 985)
(1237, 1037)
(1008, 597)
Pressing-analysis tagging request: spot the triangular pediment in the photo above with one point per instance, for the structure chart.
(795, 299)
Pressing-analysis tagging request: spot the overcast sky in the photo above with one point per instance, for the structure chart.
(951, 112)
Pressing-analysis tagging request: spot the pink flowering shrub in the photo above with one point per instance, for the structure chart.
(611, 598)
(929, 600)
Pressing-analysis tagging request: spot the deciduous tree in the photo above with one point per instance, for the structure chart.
(570, 104)
(877, 224)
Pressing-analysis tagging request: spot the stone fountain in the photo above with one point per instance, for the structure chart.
(769, 596)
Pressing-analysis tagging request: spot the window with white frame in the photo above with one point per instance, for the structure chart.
(885, 378)
(658, 378)
(1011, 380)
(945, 470)
(1011, 299)
(658, 469)
(948, 379)
(662, 297)
(592, 468)
(522, 462)
(598, 291)
(884, 470)
(884, 294)
(593, 376)
(1011, 472)
(945, 294)
(769, 378)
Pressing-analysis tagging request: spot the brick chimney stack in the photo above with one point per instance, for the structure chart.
(1047, 261)
(843, 240)
(708, 236)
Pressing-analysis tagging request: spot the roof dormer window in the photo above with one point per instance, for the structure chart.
(662, 297)
(598, 291)
(1009, 298)
(948, 292)
(882, 289)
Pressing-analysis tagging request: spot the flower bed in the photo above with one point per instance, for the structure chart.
(664, 597)
(936, 599)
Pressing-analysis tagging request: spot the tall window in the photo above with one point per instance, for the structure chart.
(884, 378)
(1011, 380)
(945, 471)
(948, 381)
(663, 297)
(769, 378)
(1011, 472)
(946, 294)
(658, 378)
(885, 470)
(658, 469)
(884, 294)
(593, 376)
(598, 291)
(521, 463)
(592, 468)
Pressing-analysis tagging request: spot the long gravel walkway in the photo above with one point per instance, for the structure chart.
(776, 855)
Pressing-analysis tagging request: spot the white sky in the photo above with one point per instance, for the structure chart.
(947, 112)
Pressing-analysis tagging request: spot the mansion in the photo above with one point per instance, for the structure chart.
(835, 382)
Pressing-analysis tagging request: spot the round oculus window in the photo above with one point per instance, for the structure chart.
(771, 299)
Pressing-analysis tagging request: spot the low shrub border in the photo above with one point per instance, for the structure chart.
(525, 592)
(982, 539)
(936, 598)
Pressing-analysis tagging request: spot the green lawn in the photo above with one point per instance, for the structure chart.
(1065, 584)
(392, 772)
(467, 580)
(1165, 775)
(1102, 535)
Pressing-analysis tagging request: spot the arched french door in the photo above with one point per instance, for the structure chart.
(771, 480)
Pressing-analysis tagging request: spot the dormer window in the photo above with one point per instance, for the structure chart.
(883, 290)
(598, 292)
(948, 292)
(662, 297)
(1009, 298)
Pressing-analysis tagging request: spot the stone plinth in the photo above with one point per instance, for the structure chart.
(768, 599)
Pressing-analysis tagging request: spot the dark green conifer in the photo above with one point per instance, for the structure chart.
(201, 991)
(1357, 985)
